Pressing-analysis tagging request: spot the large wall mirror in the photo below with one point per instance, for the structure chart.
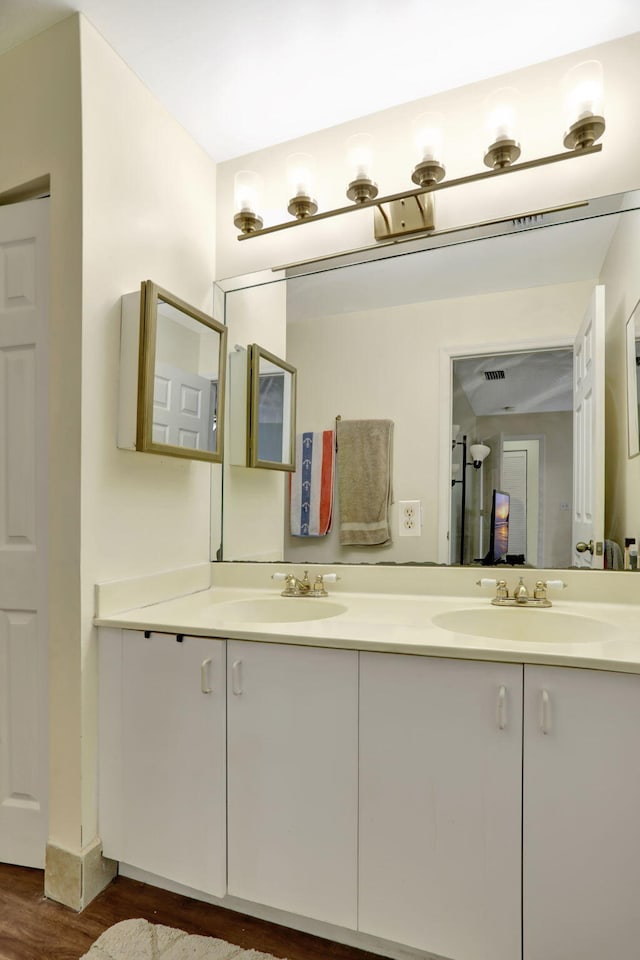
(181, 378)
(460, 339)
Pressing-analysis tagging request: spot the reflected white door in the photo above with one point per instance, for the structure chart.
(24, 266)
(182, 408)
(588, 435)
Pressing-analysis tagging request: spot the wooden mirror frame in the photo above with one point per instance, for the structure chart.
(255, 354)
(150, 295)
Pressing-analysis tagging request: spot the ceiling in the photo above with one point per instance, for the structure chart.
(244, 75)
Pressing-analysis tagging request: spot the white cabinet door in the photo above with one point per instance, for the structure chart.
(292, 778)
(440, 804)
(162, 747)
(581, 873)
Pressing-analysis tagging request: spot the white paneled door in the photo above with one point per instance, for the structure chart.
(24, 266)
(588, 436)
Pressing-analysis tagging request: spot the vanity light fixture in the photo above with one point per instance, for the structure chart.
(301, 181)
(411, 212)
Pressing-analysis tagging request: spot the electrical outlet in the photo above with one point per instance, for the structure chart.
(409, 518)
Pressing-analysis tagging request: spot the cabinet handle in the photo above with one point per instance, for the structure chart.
(502, 708)
(545, 712)
(236, 677)
(204, 675)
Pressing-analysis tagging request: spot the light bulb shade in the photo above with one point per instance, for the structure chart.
(582, 89)
(301, 175)
(429, 137)
(247, 189)
(501, 120)
(359, 149)
(479, 452)
(501, 115)
(582, 95)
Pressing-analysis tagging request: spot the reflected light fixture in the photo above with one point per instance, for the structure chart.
(479, 453)
(411, 211)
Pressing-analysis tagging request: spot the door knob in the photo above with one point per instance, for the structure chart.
(582, 547)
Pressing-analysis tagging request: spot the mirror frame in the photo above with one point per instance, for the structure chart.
(150, 295)
(633, 427)
(255, 354)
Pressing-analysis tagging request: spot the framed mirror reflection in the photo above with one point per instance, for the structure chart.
(181, 378)
(271, 411)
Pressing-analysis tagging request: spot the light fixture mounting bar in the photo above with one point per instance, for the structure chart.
(442, 185)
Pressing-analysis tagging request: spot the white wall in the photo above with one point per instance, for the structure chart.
(148, 213)
(386, 364)
(253, 498)
(615, 169)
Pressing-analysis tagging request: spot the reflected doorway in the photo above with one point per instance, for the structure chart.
(520, 407)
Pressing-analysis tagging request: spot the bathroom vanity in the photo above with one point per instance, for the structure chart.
(375, 776)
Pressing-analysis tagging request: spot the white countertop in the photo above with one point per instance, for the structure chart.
(402, 623)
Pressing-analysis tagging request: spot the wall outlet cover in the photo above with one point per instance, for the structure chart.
(409, 518)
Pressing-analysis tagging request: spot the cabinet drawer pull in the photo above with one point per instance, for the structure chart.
(502, 708)
(545, 712)
(204, 675)
(236, 677)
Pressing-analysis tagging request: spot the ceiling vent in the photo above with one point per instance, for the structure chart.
(494, 375)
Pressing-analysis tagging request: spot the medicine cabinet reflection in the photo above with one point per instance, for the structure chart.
(271, 411)
(181, 378)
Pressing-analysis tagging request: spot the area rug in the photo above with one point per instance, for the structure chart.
(140, 940)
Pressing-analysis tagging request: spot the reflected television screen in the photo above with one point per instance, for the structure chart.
(499, 533)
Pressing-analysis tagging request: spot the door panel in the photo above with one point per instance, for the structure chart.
(588, 434)
(23, 405)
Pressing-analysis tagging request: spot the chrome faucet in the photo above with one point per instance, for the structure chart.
(521, 596)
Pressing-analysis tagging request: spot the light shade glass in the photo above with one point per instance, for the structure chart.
(429, 136)
(247, 190)
(359, 149)
(479, 452)
(501, 115)
(301, 175)
(582, 90)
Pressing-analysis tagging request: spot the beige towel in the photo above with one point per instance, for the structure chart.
(364, 480)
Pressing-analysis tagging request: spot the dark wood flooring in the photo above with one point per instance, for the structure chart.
(33, 928)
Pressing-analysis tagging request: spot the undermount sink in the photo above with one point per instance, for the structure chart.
(278, 610)
(525, 624)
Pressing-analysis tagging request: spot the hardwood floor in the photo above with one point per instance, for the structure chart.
(32, 928)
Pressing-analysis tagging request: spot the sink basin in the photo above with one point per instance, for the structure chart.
(529, 625)
(278, 610)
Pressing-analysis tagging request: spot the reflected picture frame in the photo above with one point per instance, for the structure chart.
(151, 296)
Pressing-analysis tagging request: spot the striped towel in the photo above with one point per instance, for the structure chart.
(311, 486)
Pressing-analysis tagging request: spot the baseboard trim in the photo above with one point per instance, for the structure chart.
(74, 879)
